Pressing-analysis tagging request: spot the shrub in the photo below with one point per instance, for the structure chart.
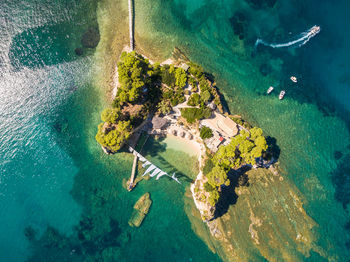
(177, 97)
(206, 132)
(208, 187)
(191, 114)
(194, 100)
(195, 70)
(213, 197)
(208, 166)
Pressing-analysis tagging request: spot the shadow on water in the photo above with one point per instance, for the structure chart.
(240, 178)
(153, 147)
(228, 195)
(273, 150)
(341, 178)
(51, 45)
(341, 181)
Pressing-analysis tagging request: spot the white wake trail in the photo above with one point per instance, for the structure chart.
(305, 37)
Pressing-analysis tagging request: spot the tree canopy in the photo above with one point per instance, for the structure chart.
(113, 137)
(205, 132)
(243, 148)
(110, 115)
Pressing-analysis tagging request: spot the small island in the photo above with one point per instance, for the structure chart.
(178, 97)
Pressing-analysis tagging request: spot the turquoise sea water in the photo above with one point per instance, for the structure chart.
(55, 179)
(311, 123)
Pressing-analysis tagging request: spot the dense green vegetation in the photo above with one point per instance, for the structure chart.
(244, 148)
(134, 73)
(192, 114)
(194, 100)
(205, 132)
(110, 115)
(145, 89)
(196, 70)
(113, 136)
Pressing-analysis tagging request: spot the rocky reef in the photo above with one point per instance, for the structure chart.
(266, 222)
(141, 209)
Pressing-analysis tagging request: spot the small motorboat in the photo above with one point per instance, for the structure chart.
(282, 94)
(294, 79)
(269, 90)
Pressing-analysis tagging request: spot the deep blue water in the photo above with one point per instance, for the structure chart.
(53, 173)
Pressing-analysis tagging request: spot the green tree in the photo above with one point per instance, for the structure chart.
(196, 70)
(205, 132)
(218, 177)
(255, 132)
(206, 96)
(208, 187)
(180, 77)
(213, 197)
(164, 107)
(192, 114)
(110, 115)
(194, 100)
(113, 137)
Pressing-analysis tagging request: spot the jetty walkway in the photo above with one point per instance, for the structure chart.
(131, 24)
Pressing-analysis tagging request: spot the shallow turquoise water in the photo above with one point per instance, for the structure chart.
(54, 174)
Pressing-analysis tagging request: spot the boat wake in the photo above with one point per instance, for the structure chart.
(302, 40)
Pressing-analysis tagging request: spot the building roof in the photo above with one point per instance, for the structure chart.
(227, 125)
(159, 122)
(185, 67)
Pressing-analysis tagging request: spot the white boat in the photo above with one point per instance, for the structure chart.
(269, 90)
(294, 79)
(282, 94)
(315, 30)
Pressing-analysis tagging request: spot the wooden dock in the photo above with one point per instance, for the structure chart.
(131, 183)
(131, 24)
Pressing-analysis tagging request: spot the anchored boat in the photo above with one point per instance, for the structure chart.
(269, 90)
(282, 94)
(294, 79)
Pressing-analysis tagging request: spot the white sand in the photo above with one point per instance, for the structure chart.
(185, 145)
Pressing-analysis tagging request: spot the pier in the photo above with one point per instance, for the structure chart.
(131, 24)
(151, 169)
(130, 183)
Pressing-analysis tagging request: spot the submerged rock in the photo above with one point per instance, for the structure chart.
(90, 38)
(268, 222)
(141, 209)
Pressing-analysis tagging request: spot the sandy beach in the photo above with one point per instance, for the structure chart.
(185, 145)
